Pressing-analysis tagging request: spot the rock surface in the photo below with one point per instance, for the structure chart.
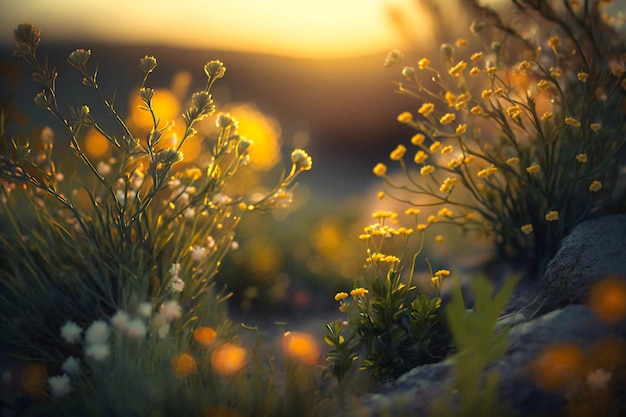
(594, 250)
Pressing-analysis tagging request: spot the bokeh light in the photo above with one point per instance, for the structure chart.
(183, 364)
(301, 347)
(204, 336)
(228, 359)
(96, 146)
(557, 365)
(607, 299)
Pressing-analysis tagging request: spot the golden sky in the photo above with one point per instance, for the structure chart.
(300, 28)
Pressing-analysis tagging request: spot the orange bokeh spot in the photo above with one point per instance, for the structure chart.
(301, 346)
(557, 365)
(34, 377)
(607, 299)
(204, 336)
(183, 364)
(228, 359)
(96, 145)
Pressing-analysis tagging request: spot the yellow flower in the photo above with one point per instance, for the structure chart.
(552, 216)
(364, 236)
(447, 185)
(582, 158)
(527, 229)
(523, 66)
(476, 56)
(556, 72)
(460, 129)
(427, 169)
(547, 116)
(487, 172)
(446, 149)
(358, 292)
(554, 41)
(476, 110)
(491, 70)
(434, 147)
(582, 76)
(418, 139)
(380, 195)
(411, 211)
(512, 161)
(570, 121)
(423, 63)
(595, 127)
(421, 227)
(380, 170)
(439, 239)
(420, 157)
(461, 42)
(499, 91)
(343, 308)
(486, 93)
(469, 158)
(405, 117)
(341, 296)
(444, 212)
(595, 186)
(514, 111)
(432, 219)
(397, 153)
(456, 70)
(450, 98)
(383, 214)
(426, 109)
(447, 118)
(454, 163)
(474, 71)
(543, 85)
(534, 168)
(442, 272)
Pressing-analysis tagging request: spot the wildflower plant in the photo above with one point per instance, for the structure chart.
(390, 322)
(518, 133)
(113, 264)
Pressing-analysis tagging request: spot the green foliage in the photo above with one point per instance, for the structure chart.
(479, 343)
(518, 127)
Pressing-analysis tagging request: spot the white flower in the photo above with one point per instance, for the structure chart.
(170, 310)
(598, 379)
(136, 329)
(198, 253)
(220, 198)
(177, 284)
(234, 245)
(189, 213)
(120, 320)
(98, 333)
(175, 269)
(210, 242)
(60, 385)
(71, 332)
(103, 168)
(71, 366)
(98, 352)
(144, 309)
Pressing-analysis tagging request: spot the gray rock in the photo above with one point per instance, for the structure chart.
(413, 393)
(593, 250)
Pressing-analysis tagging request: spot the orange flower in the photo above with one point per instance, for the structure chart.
(607, 299)
(556, 366)
(301, 347)
(228, 359)
(183, 364)
(204, 336)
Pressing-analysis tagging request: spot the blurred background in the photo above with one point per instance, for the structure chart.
(306, 73)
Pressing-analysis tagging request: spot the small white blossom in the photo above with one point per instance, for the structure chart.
(220, 198)
(164, 330)
(120, 320)
(189, 213)
(71, 366)
(98, 352)
(177, 284)
(175, 269)
(71, 332)
(136, 329)
(234, 245)
(59, 385)
(144, 309)
(103, 168)
(170, 310)
(210, 242)
(198, 253)
(97, 333)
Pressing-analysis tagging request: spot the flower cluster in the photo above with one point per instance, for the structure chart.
(523, 133)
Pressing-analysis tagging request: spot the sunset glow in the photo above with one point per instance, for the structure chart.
(310, 29)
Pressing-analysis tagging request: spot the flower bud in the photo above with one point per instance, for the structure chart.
(301, 160)
(408, 72)
(41, 100)
(214, 69)
(447, 49)
(78, 58)
(147, 64)
(146, 94)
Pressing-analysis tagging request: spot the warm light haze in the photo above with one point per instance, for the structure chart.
(297, 28)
